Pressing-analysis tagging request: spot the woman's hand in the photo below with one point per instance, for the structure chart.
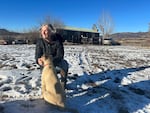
(40, 62)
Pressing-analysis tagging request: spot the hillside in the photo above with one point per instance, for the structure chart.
(133, 39)
(9, 36)
(131, 35)
(6, 32)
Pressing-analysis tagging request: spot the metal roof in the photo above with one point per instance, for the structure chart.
(78, 29)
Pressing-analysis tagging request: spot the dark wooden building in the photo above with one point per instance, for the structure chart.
(79, 35)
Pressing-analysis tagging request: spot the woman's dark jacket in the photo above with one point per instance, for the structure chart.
(55, 49)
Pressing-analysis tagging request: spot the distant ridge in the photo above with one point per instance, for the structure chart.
(131, 35)
(133, 39)
(6, 32)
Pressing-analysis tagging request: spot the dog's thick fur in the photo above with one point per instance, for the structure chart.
(52, 91)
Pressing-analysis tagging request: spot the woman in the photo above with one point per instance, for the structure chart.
(50, 44)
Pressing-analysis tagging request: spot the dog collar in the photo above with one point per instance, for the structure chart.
(46, 65)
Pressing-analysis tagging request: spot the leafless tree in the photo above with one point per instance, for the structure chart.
(105, 25)
(94, 27)
(57, 23)
(148, 27)
(33, 33)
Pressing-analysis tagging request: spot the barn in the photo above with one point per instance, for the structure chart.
(79, 35)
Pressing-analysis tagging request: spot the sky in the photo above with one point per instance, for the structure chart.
(127, 15)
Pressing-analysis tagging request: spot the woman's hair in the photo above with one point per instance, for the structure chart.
(50, 27)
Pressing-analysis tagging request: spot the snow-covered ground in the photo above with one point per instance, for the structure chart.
(101, 79)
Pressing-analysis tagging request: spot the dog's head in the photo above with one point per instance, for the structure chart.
(46, 59)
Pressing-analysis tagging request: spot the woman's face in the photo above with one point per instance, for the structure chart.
(45, 32)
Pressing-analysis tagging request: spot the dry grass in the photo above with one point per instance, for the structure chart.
(141, 42)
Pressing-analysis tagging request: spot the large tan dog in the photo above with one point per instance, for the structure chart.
(52, 91)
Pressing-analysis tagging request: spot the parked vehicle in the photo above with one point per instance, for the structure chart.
(110, 41)
(3, 42)
(19, 42)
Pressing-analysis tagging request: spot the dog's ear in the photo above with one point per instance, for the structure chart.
(47, 56)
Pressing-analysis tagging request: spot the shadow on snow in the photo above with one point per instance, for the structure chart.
(103, 92)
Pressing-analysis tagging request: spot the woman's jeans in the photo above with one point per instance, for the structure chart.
(63, 65)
